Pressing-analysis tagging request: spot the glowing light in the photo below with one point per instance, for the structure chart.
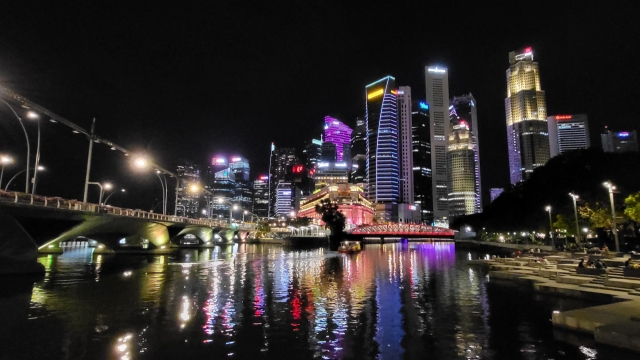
(374, 94)
(297, 169)
(141, 162)
(623, 134)
(236, 159)
(423, 105)
(394, 92)
(219, 161)
(436, 70)
(563, 117)
(527, 50)
(264, 177)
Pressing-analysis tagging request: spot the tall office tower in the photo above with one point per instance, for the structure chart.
(422, 192)
(568, 132)
(495, 192)
(383, 168)
(261, 196)
(618, 142)
(336, 132)
(329, 152)
(189, 203)
(359, 152)
(463, 108)
(526, 113)
(461, 177)
(437, 82)
(221, 183)
(240, 168)
(287, 199)
(312, 153)
(282, 160)
(405, 145)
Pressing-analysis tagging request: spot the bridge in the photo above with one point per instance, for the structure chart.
(53, 221)
(390, 232)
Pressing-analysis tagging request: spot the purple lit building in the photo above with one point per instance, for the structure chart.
(336, 132)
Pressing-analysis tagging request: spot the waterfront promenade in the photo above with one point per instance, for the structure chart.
(616, 323)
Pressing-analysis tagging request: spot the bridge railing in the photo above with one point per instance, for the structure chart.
(74, 205)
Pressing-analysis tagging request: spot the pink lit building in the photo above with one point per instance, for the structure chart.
(336, 132)
(350, 199)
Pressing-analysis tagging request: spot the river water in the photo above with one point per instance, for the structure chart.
(393, 301)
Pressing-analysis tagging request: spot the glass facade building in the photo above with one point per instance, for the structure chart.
(619, 141)
(405, 145)
(526, 114)
(260, 206)
(463, 109)
(383, 170)
(567, 132)
(421, 136)
(359, 152)
(336, 132)
(461, 177)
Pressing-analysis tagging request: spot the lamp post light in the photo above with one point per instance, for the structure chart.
(33, 116)
(40, 168)
(245, 212)
(614, 228)
(107, 199)
(26, 136)
(231, 208)
(106, 186)
(548, 208)
(163, 184)
(4, 160)
(575, 212)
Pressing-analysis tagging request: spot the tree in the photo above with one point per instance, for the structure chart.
(632, 211)
(599, 215)
(567, 225)
(333, 219)
(263, 229)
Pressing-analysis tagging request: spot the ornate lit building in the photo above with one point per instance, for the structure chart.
(461, 177)
(351, 202)
(526, 113)
(336, 132)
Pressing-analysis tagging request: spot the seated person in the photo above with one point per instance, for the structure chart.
(581, 263)
(627, 263)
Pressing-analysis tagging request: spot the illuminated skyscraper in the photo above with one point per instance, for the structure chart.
(463, 108)
(526, 113)
(338, 133)
(437, 83)
(261, 196)
(359, 152)
(568, 132)
(240, 168)
(422, 159)
(189, 203)
(619, 142)
(383, 170)
(283, 159)
(461, 175)
(405, 145)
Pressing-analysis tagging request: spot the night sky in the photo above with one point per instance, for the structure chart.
(187, 80)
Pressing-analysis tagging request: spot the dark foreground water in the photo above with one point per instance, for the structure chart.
(396, 301)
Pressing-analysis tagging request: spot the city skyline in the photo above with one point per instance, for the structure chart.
(121, 91)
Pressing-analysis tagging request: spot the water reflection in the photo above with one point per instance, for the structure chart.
(252, 301)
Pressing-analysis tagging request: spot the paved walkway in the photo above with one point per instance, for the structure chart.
(615, 324)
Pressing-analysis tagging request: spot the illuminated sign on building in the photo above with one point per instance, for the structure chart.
(236, 159)
(394, 92)
(323, 164)
(527, 50)
(423, 105)
(316, 141)
(436, 70)
(341, 164)
(623, 134)
(218, 161)
(564, 117)
(297, 169)
(374, 94)
(264, 177)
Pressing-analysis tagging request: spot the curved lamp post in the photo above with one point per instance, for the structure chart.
(614, 228)
(106, 186)
(6, 188)
(32, 115)
(107, 199)
(26, 136)
(575, 212)
(4, 160)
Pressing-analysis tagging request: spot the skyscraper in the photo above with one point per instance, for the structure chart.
(261, 196)
(568, 132)
(336, 132)
(463, 108)
(461, 175)
(239, 166)
(359, 152)
(312, 152)
(437, 83)
(405, 145)
(526, 113)
(422, 193)
(383, 171)
(282, 160)
(189, 203)
(619, 141)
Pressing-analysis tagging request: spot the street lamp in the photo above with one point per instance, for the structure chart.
(26, 187)
(33, 116)
(548, 208)
(142, 162)
(231, 208)
(614, 228)
(4, 160)
(106, 186)
(243, 214)
(107, 199)
(40, 168)
(575, 212)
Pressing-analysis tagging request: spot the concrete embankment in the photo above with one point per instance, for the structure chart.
(617, 323)
(476, 244)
